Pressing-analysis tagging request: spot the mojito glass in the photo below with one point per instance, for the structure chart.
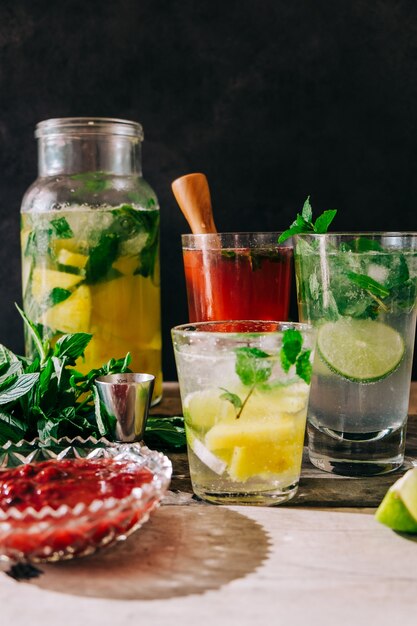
(244, 390)
(237, 276)
(359, 291)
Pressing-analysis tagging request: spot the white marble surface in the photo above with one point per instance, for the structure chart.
(197, 565)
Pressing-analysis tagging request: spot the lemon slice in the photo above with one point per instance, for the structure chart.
(398, 509)
(213, 462)
(360, 350)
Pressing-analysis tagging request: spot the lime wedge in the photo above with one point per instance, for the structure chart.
(360, 350)
(398, 509)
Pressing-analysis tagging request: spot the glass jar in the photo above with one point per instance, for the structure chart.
(90, 243)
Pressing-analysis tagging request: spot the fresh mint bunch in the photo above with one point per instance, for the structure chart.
(304, 222)
(46, 397)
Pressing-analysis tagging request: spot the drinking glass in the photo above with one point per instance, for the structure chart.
(359, 291)
(244, 389)
(237, 276)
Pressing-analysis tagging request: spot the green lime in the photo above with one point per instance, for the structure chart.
(398, 509)
(360, 350)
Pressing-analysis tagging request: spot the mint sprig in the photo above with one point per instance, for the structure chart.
(293, 354)
(304, 222)
(254, 366)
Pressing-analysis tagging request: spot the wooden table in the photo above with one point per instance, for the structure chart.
(322, 559)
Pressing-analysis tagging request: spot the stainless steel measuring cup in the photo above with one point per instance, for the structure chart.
(127, 398)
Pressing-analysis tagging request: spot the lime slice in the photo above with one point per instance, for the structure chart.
(360, 350)
(398, 509)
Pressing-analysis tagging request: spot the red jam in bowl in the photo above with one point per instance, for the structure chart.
(69, 482)
(60, 509)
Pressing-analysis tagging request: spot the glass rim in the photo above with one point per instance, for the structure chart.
(192, 329)
(361, 233)
(189, 238)
(76, 126)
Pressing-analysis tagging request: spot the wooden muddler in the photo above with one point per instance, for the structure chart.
(193, 196)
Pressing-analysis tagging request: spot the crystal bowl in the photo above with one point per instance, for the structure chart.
(65, 532)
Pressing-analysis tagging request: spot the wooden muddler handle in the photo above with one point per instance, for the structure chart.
(193, 196)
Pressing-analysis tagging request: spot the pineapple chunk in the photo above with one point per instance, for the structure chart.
(273, 403)
(44, 280)
(74, 259)
(251, 433)
(72, 245)
(128, 307)
(112, 300)
(72, 315)
(265, 458)
(126, 264)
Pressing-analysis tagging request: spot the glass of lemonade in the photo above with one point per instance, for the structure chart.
(244, 389)
(359, 291)
(231, 276)
(90, 243)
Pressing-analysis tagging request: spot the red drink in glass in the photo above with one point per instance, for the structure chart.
(234, 276)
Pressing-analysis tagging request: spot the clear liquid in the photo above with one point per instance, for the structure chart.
(358, 428)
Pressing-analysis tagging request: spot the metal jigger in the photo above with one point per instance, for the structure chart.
(127, 397)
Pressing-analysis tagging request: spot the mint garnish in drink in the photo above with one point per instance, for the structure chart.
(304, 222)
(292, 354)
(254, 366)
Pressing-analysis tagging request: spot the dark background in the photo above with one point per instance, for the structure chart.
(272, 99)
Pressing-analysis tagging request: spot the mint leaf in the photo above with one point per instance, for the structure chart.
(61, 228)
(101, 258)
(252, 365)
(72, 346)
(303, 223)
(307, 212)
(57, 295)
(292, 340)
(368, 284)
(303, 366)
(38, 242)
(364, 244)
(105, 421)
(233, 398)
(163, 432)
(11, 428)
(14, 368)
(324, 220)
(286, 234)
(92, 182)
(291, 354)
(34, 333)
(19, 388)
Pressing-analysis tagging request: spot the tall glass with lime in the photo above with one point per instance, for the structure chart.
(359, 290)
(90, 243)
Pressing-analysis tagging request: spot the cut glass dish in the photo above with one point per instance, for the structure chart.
(65, 532)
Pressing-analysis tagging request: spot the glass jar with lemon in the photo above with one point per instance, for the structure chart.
(90, 243)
